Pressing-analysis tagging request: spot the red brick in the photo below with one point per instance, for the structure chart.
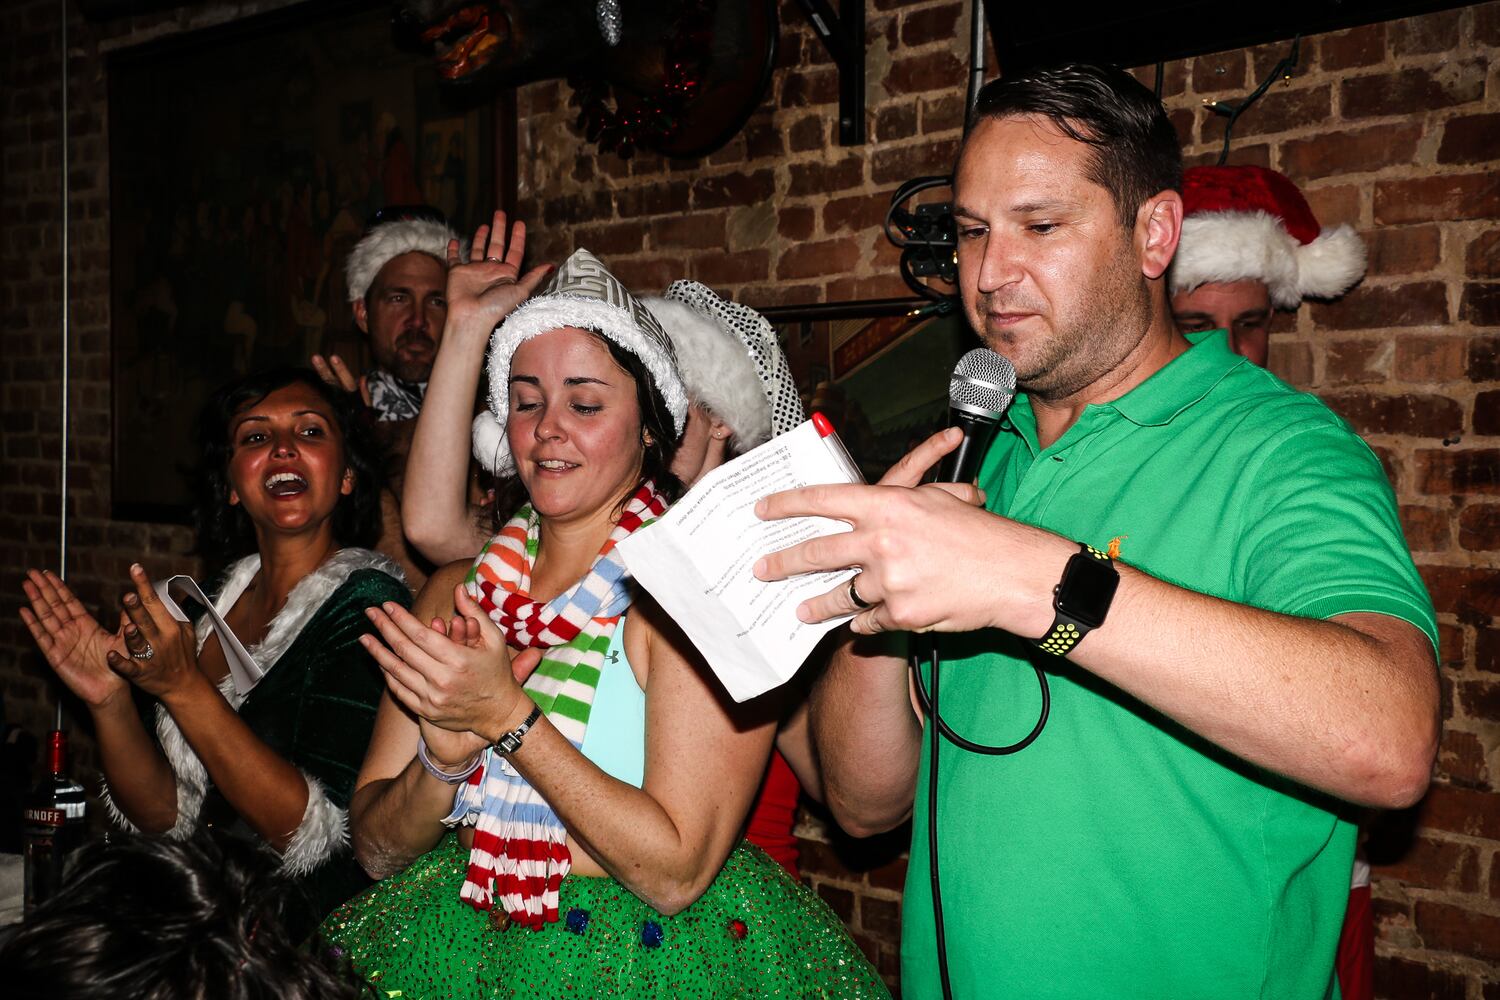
(1445, 927)
(1479, 527)
(1279, 111)
(1408, 414)
(1426, 528)
(697, 231)
(1487, 23)
(1487, 412)
(1219, 71)
(1435, 864)
(1401, 979)
(651, 274)
(826, 179)
(1435, 32)
(1480, 699)
(1484, 359)
(806, 133)
(943, 114)
(901, 163)
(1482, 260)
(858, 213)
(1451, 471)
(1412, 91)
(898, 121)
(1362, 46)
(718, 270)
(841, 901)
(796, 222)
(1487, 649)
(1438, 198)
(935, 24)
(1461, 811)
(810, 87)
(652, 199)
(1373, 307)
(1333, 205)
(1421, 358)
(936, 70)
(1467, 591)
(807, 260)
(1403, 249)
(733, 189)
(1471, 139)
(1480, 304)
(1461, 760)
(881, 917)
(1292, 361)
(1351, 151)
(1355, 362)
(762, 140)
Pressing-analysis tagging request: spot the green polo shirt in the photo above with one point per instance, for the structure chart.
(1119, 855)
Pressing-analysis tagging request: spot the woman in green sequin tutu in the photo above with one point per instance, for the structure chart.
(557, 786)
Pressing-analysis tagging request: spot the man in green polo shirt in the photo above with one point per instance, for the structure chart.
(1177, 829)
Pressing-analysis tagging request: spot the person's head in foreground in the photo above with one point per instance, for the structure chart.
(1250, 245)
(157, 919)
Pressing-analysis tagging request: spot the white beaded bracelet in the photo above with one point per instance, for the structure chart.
(439, 773)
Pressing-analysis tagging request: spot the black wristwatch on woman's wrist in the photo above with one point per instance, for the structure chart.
(510, 742)
(1081, 599)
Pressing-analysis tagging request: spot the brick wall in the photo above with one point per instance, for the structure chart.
(1392, 128)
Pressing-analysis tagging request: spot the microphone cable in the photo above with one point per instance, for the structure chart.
(937, 731)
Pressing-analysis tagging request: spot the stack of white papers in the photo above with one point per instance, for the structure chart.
(696, 560)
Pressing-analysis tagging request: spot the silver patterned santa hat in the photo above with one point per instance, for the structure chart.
(584, 295)
(731, 362)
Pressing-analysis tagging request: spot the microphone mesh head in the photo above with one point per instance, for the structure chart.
(984, 381)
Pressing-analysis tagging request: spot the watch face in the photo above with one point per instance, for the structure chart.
(1087, 588)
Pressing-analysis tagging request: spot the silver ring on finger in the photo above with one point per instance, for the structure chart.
(493, 260)
(854, 598)
(144, 654)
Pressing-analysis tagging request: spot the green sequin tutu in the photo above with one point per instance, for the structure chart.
(756, 932)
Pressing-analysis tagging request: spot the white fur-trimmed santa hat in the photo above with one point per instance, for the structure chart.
(731, 362)
(581, 294)
(389, 240)
(1250, 222)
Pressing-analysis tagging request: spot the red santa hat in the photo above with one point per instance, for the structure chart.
(1250, 222)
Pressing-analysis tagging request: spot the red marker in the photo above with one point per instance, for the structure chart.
(841, 455)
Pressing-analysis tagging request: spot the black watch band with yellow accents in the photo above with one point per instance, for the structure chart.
(1081, 599)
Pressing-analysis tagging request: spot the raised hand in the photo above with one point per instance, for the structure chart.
(335, 372)
(161, 656)
(75, 645)
(489, 286)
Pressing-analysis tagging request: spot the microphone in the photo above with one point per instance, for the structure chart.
(982, 386)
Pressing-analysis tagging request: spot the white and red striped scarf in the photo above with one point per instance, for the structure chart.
(520, 853)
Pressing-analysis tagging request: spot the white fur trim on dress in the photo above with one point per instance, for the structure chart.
(390, 240)
(306, 598)
(716, 370)
(1235, 246)
(554, 312)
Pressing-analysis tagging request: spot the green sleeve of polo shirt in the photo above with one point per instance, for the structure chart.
(1321, 535)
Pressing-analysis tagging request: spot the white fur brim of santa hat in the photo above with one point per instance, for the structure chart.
(1251, 223)
(389, 240)
(582, 294)
(717, 371)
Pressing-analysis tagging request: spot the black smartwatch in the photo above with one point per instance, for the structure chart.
(1081, 599)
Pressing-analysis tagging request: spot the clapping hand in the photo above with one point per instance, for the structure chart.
(76, 646)
(457, 676)
(162, 652)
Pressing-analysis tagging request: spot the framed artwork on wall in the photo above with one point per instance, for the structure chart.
(245, 162)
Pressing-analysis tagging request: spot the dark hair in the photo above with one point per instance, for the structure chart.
(161, 919)
(224, 531)
(1135, 150)
(656, 419)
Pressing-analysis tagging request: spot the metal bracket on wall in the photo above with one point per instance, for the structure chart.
(843, 35)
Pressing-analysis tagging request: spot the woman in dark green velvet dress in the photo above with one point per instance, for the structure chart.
(291, 485)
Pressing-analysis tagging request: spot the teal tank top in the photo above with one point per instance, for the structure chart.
(616, 735)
